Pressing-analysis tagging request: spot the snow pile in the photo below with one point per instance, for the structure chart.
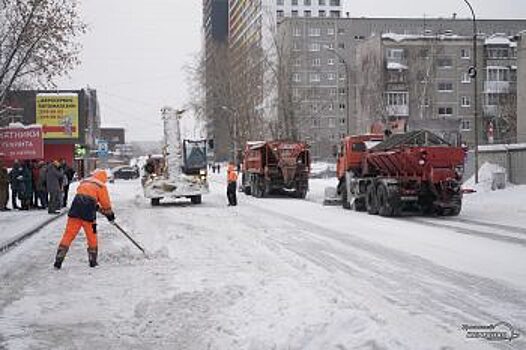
(487, 178)
(322, 170)
(396, 66)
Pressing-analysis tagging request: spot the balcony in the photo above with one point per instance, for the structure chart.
(490, 111)
(497, 87)
(398, 111)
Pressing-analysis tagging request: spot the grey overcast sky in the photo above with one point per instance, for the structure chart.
(135, 52)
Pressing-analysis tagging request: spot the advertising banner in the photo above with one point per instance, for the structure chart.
(21, 143)
(59, 115)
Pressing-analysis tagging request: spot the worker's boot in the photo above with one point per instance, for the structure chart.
(61, 254)
(92, 257)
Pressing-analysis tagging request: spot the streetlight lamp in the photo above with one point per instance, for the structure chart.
(473, 74)
(234, 131)
(347, 88)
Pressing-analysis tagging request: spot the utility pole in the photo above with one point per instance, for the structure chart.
(473, 74)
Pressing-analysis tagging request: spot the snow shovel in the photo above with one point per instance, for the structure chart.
(128, 236)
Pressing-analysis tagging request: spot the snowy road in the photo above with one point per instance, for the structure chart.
(273, 273)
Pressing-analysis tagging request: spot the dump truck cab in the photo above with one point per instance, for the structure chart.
(352, 149)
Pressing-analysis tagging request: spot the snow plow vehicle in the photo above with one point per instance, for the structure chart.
(415, 171)
(276, 167)
(182, 170)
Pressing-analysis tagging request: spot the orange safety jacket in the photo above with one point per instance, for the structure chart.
(91, 193)
(231, 174)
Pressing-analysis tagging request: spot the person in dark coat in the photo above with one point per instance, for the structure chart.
(54, 177)
(68, 173)
(41, 185)
(16, 178)
(4, 187)
(26, 193)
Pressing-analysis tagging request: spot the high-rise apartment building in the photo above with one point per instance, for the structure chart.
(215, 33)
(324, 69)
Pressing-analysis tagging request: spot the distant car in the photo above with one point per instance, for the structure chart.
(126, 173)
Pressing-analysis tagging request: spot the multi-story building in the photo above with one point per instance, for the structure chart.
(324, 68)
(521, 88)
(215, 32)
(309, 8)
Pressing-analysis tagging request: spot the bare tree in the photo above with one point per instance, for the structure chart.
(38, 41)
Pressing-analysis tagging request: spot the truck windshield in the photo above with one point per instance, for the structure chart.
(195, 154)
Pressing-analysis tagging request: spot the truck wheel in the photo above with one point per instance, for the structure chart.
(155, 202)
(196, 199)
(345, 199)
(301, 193)
(386, 207)
(359, 204)
(371, 200)
(247, 190)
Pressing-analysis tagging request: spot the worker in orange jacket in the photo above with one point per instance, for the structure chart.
(92, 196)
(231, 175)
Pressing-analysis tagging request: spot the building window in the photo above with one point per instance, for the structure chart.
(330, 46)
(445, 111)
(280, 13)
(297, 62)
(493, 99)
(330, 107)
(296, 77)
(314, 47)
(307, 2)
(330, 31)
(297, 31)
(321, 2)
(314, 77)
(294, 13)
(341, 45)
(395, 54)
(335, 2)
(332, 122)
(397, 98)
(445, 87)
(466, 79)
(296, 93)
(296, 46)
(321, 13)
(330, 61)
(332, 92)
(500, 53)
(314, 107)
(307, 13)
(314, 31)
(331, 76)
(466, 125)
(465, 53)
(335, 14)
(280, 2)
(342, 122)
(465, 101)
(341, 91)
(444, 62)
(341, 30)
(498, 74)
(342, 106)
(294, 2)
(341, 76)
(316, 62)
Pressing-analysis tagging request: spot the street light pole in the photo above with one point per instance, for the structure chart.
(473, 74)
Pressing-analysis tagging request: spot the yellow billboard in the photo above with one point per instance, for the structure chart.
(59, 115)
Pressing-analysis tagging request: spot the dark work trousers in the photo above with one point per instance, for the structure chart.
(14, 198)
(55, 201)
(66, 192)
(231, 193)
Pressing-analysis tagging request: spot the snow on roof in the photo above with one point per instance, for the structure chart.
(395, 66)
(499, 67)
(497, 39)
(19, 125)
(400, 37)
(502, 147)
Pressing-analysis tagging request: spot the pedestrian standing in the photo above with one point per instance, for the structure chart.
(69, 173)
(54, 177)
(232, 184)
(92, 193)
(41, 185)
(34, 177)
(26, 192)
(16, 179)
(4, 187)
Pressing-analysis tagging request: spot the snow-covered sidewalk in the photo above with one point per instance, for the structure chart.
(17, 224)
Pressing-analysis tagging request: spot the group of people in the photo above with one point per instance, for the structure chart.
(35, 185)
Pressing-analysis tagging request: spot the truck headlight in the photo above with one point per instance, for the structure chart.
(202, 172)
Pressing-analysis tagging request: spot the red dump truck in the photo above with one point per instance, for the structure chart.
(276, 166)
(415, 171)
